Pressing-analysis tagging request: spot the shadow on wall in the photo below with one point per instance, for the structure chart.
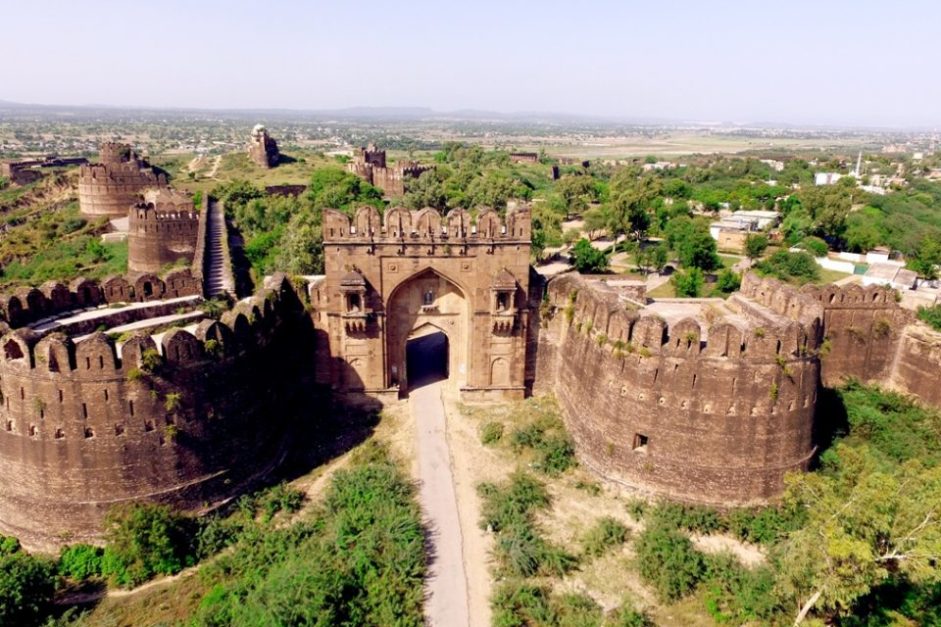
(830, 421)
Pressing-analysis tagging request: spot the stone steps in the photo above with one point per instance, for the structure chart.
(217, 281)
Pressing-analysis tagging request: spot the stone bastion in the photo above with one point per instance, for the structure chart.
(104, 402)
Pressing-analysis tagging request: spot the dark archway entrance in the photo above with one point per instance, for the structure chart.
(426, 359)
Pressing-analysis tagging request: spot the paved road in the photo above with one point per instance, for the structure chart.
(446, 588)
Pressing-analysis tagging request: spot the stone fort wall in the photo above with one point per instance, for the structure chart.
(29, 304)
(664, 409)
(86, 425)
(159, 238)
(112, 186)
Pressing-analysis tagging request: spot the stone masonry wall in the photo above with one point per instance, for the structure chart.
(656, 407)
(84, 427)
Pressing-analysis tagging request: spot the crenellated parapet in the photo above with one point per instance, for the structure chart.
(187, 419)
(30, 304)
(641, 388)
(402, 225)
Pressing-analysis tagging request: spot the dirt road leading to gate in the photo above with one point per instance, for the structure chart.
(446, 604)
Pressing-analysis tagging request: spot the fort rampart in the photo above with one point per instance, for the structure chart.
(111, 187)
(29, 304)
(158, 238)
(89, 424)
(640, 395)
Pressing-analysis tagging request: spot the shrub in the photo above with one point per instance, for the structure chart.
(144, 540)
(606, 533)
(755, 245)
(739, 595)
(491, 432)
(931, 316)
(668, 562)
(27, 584)
(797, 267)
(505, 506)
(80, 561)
(815, 246)
(628, 616)
(728, 281)
(698, 518)
(688, 283)
(518, 604)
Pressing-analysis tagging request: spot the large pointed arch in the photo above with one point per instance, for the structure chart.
(427, 299)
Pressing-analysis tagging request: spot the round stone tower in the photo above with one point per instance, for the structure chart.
(110, 187)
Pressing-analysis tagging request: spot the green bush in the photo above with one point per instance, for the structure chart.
(144, 540)
(491, 432)
(607, 532)
(738, 595)
(518, 604)
(728, 281)
(667, 560)
(815, 246)
(797, 267)
(358, 560)
(512, 503)
(931, 316)
(27, 584)
(688, 283)
(547, 437)
(628, 616)
(698, 518)
(81, 561)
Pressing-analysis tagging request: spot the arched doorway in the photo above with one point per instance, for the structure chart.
(426, 358)
(426, 303)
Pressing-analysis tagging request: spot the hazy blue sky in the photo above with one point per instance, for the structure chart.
(837, 61)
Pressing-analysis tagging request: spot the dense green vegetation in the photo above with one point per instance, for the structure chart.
(56, 243)
(359, 559)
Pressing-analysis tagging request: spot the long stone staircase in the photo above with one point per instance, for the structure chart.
(217, 268)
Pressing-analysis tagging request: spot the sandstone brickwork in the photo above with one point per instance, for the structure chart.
(262, 149)
(395, 277)
(369, 163)
(162, 230)
(714, 413)
(111, 186)
(85, 425)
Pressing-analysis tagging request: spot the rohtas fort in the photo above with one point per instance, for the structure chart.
(127, 388)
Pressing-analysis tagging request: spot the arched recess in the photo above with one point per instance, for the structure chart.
(500, 372)
(427, 300)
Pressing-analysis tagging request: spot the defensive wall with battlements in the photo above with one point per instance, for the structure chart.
(111, 186)
(162, 230)
(90, 423)
(717, 407)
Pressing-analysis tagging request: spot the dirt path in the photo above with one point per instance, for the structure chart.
(446, 587)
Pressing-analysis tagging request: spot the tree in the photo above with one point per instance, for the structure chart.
(926, 259)
(755, 245)
(588, 259)
(301, 247)
(576, 192)
(867, 523)
(26, 587)
(629, 213)
(595, 221)
(659, 255)
(698, 250)
(425, 191)
(728, 281)
(688, 283)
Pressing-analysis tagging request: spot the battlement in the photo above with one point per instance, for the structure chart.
(30, 304)
(400, 224)
(740, 334)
